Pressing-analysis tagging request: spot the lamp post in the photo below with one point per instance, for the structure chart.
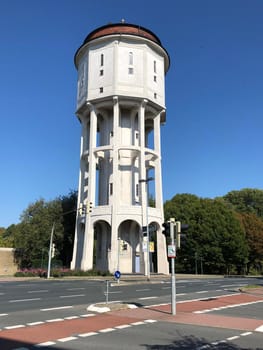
(148, 273)
(50, 250)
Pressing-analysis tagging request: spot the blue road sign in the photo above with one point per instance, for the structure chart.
(117, 274)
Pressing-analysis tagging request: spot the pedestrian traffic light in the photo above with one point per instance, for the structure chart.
(166, 229)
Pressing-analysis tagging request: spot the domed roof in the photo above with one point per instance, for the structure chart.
(121, 28)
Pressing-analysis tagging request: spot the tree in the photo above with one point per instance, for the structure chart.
(69, 207)
(247, 200)
(253, 227)
(32, 234)
(215, 236)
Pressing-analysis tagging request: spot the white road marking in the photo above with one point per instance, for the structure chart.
(15, 327)
(47, 343)
(123, 326)
(72, 296)
(57, 308)
(202, 291)
(137, 323)
(107, 330)
(23, 300)
(71, 317)
(89, 334)
(75, 289)
(142, 290)
(55, 320)
(145, 298)
(1, 315)
(35, 323)
(38, 291)
(259, 329)
(245, 334)
(233, 338)
(64, 340)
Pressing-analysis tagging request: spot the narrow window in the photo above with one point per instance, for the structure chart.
(137, 190)
(155, 95)
(155, 78)
(130, 70)
(130, 58)
(101, 72)
(101, 89)
(111, 188)
(111, 134)
(102, 59)
(154, 66)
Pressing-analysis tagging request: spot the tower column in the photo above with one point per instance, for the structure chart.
(87, 256)
(114, 256)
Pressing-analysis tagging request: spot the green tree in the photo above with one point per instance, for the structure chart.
(32, 234)
(247, 200)
(253, 227)
(69, 205)
(215, 236)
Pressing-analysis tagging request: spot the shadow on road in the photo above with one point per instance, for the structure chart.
(194, 343)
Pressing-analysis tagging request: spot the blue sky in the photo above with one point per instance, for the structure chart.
(212, 142)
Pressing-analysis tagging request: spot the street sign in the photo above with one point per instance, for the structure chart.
(171, 251)
(117, 274)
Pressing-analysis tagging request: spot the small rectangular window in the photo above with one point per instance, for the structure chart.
(102, 59)
(155, 95)
(155, 78)
(101, 89)
(137, 190)
(130, 58)
(154, 66)
(101, 72)
(130, 71)
(111, 188)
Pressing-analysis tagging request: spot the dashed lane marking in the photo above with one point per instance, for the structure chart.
(23, 300)
(72, 296)
(226, 307)
(89, 334)
(57, 308)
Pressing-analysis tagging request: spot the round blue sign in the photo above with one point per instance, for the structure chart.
(117, 274)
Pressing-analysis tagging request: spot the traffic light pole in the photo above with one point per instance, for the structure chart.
(173, 278)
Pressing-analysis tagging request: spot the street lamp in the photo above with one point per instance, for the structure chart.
(148, 273)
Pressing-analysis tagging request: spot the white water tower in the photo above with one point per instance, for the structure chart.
(121, 106)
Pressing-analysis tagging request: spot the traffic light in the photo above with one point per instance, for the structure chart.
(53, 249)
(166, 229)
(89, 207)
(82, 209)
(179, 235)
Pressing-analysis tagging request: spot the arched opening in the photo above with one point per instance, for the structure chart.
(129, 256)
(102, 245)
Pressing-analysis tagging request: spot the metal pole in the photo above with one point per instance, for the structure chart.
(50, 250)
(148, 273)
(173, 278)
(148, 236)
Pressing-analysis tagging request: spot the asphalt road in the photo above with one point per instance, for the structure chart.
(43, 303)
(42, 300)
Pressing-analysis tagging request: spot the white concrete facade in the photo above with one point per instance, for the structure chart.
(121, 105)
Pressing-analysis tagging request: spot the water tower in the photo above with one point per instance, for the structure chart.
(121, 106)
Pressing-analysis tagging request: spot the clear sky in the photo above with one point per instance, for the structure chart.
(212, 142)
